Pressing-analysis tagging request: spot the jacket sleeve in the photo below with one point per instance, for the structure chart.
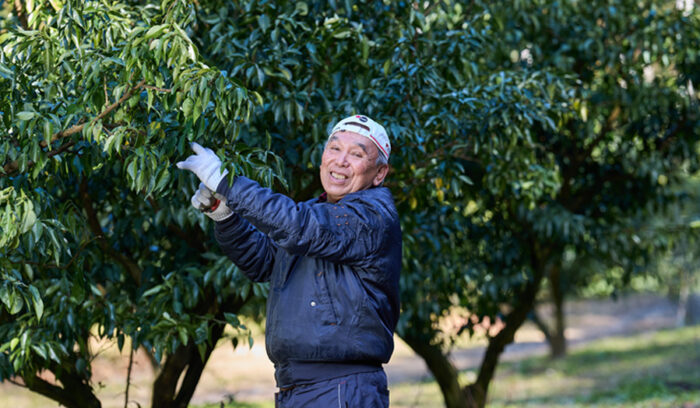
(248, 248)
(349, 231)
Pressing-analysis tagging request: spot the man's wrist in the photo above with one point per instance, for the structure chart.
(219, 211)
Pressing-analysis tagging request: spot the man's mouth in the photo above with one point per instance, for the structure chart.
(338, 176)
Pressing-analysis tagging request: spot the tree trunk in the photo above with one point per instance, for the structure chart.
(165, 392)
(442, 369)
(557, 343)
(692, 310)
(537, 320)
(477, 392)
(75, 393)
(445, 373)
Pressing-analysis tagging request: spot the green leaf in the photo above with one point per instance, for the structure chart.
(25, 115)
(187, 107)
(184, 339)
(14, 343)
(155, 31)
(38, 302)
(152, 291)
(48, 131)
(17, 304)
(5, 72)
(6, 297)
(232, 319)
(38, 349)
(29, 272)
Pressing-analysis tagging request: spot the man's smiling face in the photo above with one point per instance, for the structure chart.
(349, 164)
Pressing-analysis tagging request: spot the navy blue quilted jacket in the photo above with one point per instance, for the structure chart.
(333, 270)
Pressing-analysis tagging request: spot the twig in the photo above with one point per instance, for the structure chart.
(79, 128)
(104, 85)
(61, 149)
(128, 377)
(52, 266)
(155, 88)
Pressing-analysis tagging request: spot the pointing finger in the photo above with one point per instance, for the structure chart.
(197, 148)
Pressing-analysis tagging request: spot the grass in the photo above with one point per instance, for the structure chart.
(658, 370)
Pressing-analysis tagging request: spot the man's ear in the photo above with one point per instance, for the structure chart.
(381, 174)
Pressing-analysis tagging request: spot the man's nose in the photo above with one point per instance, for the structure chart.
(343, 158)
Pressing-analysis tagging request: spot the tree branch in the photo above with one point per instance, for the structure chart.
(62, 267)
(21, 15)
(128, 378)
(11, 167)
(76, 392)
(45, 388)
(61, 149)
(79, 128)
(155, 88)
(537, 320)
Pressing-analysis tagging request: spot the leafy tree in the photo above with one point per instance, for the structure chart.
(629, 137)
(96, 100)
(423, 72)
(103, 97)
(637, 119)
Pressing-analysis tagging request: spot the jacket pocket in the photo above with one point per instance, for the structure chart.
(330, 314)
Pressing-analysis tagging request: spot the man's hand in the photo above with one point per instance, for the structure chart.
(206, 165)
(208, 203)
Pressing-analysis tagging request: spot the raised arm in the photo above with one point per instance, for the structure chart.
(251, 250)
(349, 231)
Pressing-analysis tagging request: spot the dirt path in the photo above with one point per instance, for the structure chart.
(247, 375)
(586, 321)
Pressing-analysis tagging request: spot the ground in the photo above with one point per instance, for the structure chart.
(245, 374)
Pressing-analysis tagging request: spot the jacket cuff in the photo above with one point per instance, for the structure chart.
(223, 188)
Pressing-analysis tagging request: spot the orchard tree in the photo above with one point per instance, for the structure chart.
(633, 138)
(627, 138)
(457, 127)
(97, 99)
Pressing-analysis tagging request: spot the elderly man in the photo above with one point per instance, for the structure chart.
(333, 265)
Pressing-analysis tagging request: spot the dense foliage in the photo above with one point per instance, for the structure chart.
(522, 131)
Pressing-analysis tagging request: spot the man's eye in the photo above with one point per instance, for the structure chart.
(357, 155)
(336, 148)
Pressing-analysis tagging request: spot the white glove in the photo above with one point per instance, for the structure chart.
(206, 165)
(210, 204)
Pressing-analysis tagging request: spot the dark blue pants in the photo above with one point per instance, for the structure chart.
(362, 390)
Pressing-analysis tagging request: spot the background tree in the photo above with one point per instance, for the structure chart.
(423, 72)
(630, 137)
(633, 138)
